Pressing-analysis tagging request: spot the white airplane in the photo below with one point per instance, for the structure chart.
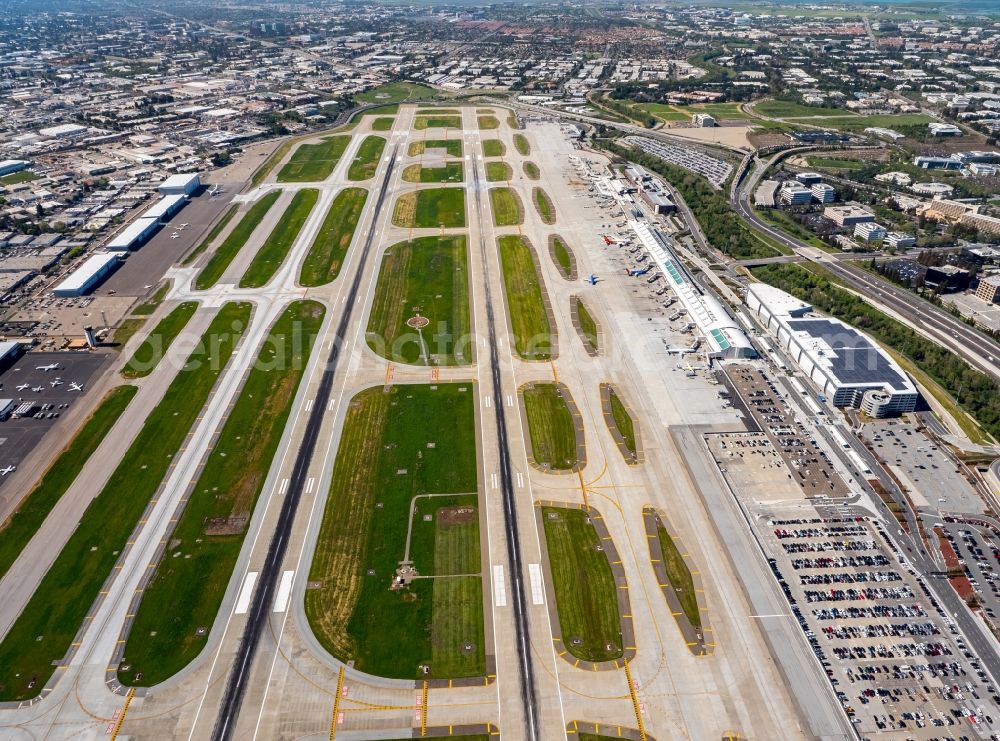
(47, 368)
(215, 190)
(38, 389)
(182, 227)
(9, 469)
(76, 387)
(55, 383)
(175, 236)
(23, 386)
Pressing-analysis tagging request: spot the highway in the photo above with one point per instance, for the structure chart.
(271, 571)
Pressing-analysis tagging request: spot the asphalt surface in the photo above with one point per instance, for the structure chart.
(271, 570)
(524, 657)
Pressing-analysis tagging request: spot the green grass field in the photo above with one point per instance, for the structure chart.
(450, 172)
(328, 251)
(126, 329)
(430, 208)
(148, 355)
(531, 170)
(493, 148)
(623, 422)
(190, 580)
(533, 336)
(212, 235)
(313, 162)
(586, 593)
(834, 163)
(498, 172)
(587, 325)
(232, 244)
(437, 121)
(21, 526)
(550, 426)
(667, 112)
(680, 578)
(858, 123)
(543, 204)
(429, 277)
(397, 92)
(507, 208)
(488, 122)
(396, 445)
(521, 144)
(438, 111)
(275, 248)
(24, 176)
(43, 632)
(790, 109)
(366, 161)
(383, 123)
(563, 256)
(453, 147)
(150, 305)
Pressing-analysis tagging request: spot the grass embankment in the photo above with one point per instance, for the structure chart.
(521, 144)
(543, 204)
(586, 593)
(506, 206)
(231, 246)
(429, 277)
(275, 248)
(493, 148)
(148, 355)
(21, 526)
(411, 440)
(563, 256)
(328, 251)
(529, 319)
(588, 325)
(366, 160)
(622, 421)
(489, 122)
(212, 235)
(976, 394)
(437, 121)
(190, 581)
(498, 172)
(45, 629)
(452, 147)
(531, 170)
(430, 208)
(450, 172)
(313, 162)
(680, 577)
(383, 123)
(550, 426)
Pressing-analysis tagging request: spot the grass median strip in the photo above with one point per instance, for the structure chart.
(622, 421)
(550, 426)
(399, 450)
(452, 147)
(329, 249)
(43, 632)
(212, 235)
(437, 121)
(498, 171)
(21, 526)
(383, 123)
(543, 204)
(420, 313)
(563, 257)
(506, 206)
(586, 593)
(314, 162)
(275, 248)
(430, 208)
(147, 356)
(493, 148)
(588, 325)
(366, 161)
(450, 172)
(489, 122)
(679, 576)
(150, 305)
(183, 598)
(529, 318)
(532, 171)
(231, 246)
(521, 144)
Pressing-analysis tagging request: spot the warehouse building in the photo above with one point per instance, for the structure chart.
(186, 184)
(847, 366)
(8, 167)
(166, 207)
(9, 353)
(134, 235)
(89, 275)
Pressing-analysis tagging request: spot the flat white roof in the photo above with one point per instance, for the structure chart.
(91, 267)
(777, 301)
(181, 180)
(132, 232)
(160, 209)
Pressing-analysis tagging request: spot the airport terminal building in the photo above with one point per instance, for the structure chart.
(850, 369)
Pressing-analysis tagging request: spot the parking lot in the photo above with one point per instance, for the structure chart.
(890, 652)
(978, 552)
(52, 389)
(687, 157)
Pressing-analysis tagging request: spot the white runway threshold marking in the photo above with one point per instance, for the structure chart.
(246, 592)
(283, 486)
(499, 587)
(284, 591)
(537, 590)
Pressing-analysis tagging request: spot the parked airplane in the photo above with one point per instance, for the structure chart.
(23, 386)
(38, 389)
(215, 190)
(182, 226)
(592, 280)
(47, 368)
(55, 383)
(9, 469)
(637, 273)
(175, 236)
(76, 387)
